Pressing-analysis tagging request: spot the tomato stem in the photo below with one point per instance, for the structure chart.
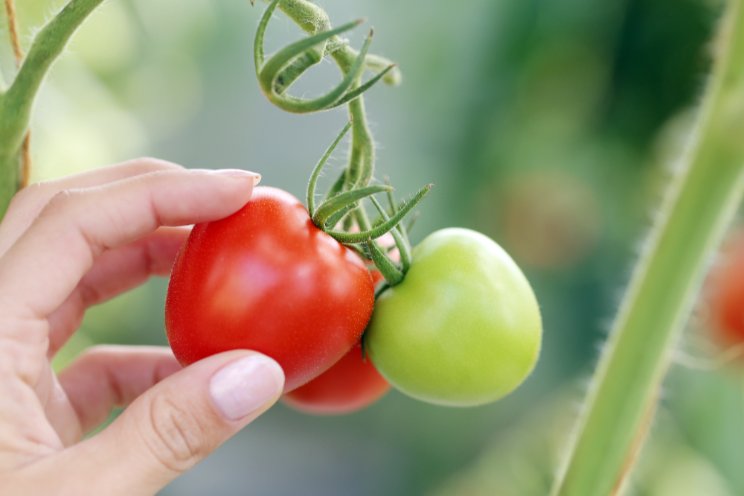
(283, 68)
(701, 201)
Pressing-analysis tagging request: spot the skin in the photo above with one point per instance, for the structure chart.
(464, 326)
(69, 244)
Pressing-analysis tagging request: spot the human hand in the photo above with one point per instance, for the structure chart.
(69, 244)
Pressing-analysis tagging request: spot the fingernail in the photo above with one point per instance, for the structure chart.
(239, 173)
(246, 386)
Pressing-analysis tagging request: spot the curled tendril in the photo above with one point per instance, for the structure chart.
(276, 75)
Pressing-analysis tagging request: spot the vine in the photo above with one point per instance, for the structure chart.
(342, 202)
(701, 201)
(15, 43)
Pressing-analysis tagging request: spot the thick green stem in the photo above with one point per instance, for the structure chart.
(16, 103)
(362, 156)
(700, 203)
(10, 168)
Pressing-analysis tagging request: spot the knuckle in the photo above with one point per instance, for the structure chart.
(178, 438)
(61, 199)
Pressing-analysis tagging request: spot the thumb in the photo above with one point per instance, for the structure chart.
(180, 421)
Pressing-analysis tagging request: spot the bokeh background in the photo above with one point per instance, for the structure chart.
(551, 125)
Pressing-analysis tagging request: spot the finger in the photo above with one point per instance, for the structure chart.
(167, 430)
(30, 201)
(48, 261)
(115, 271)
(105, 377)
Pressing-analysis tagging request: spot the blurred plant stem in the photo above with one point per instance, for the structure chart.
(701, 200)
(17, 101)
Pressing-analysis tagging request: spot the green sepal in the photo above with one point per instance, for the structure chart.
(404, 248)
(389, 270)
(376, 232)
(343, 200)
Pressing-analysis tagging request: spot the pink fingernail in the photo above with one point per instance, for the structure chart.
(246, 385)
(239, 173)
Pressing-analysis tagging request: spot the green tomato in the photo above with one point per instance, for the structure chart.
(462, 329)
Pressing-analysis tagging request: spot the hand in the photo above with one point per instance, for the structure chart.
(69, 244)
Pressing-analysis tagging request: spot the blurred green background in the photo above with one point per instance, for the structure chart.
(551, 125)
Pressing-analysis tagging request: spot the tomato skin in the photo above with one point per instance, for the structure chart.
(462, 329)
(725, 287)
(267, 279)
(349, 385)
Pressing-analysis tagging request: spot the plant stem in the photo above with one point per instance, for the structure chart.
(699, 205)
(17, 101)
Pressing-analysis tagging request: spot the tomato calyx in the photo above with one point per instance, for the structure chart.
(340, 206)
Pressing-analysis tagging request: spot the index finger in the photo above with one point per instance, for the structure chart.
(58, 249)
(28, 203)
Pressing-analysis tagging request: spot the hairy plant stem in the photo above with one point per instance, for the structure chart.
(699, 205)
(17, 101)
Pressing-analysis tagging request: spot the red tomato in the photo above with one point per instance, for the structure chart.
(267, 279)
(351, 384)
(726, 292)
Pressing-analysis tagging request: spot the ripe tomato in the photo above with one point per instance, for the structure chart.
(351, 384)
(267, 279)
(463, 328)
(726, 292)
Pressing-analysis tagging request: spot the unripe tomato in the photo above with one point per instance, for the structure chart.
(463, 328)
(267, 279)
(349, 385)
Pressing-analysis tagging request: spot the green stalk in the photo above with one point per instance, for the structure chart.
(699, 205)
(17, 101)
(362, 155)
